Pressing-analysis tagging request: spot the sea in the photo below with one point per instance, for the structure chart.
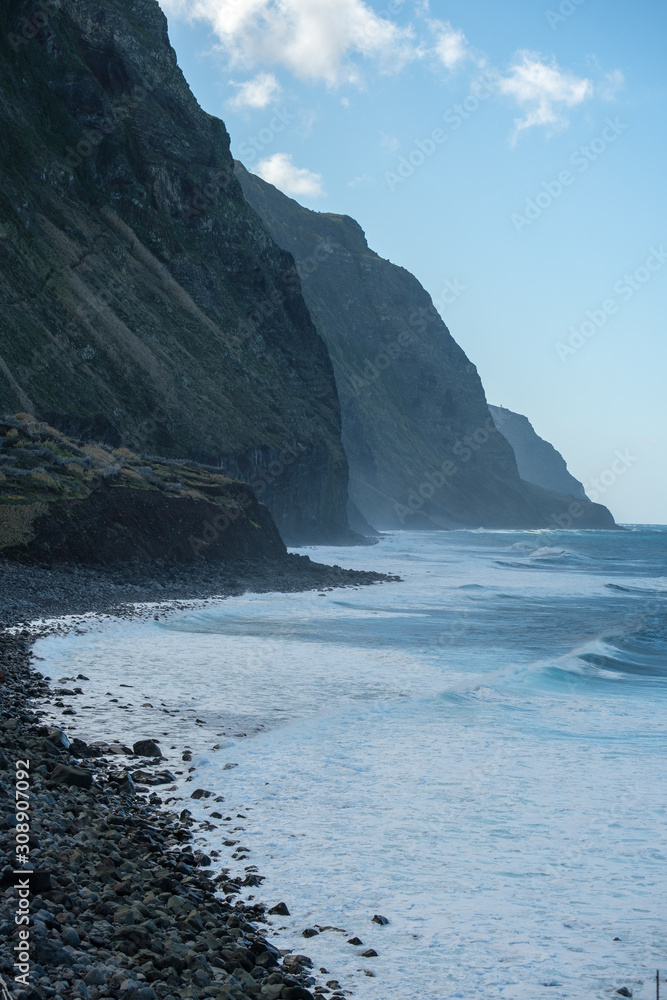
(476, 753)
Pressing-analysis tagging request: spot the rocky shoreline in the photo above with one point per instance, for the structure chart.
(33, 591)
(121, 906)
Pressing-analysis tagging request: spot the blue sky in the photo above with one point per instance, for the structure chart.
(512, 152)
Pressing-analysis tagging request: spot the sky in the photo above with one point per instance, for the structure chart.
(512, 156)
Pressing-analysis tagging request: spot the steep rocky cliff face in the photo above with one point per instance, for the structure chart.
(422, 446)
(143, 302)
(537, 460)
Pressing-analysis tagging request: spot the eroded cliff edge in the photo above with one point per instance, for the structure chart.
(143, 303)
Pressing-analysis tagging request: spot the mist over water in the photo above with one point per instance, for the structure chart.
(477, 753)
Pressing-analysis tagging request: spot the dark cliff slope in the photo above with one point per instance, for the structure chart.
(422, 447)
(67, 501)
(537, 460)
(143, 302)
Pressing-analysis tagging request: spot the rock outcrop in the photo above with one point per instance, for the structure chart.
(143, 303)
(422, 446)
(537, 460)
(67, 501)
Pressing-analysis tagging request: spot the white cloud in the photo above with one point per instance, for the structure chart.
(364, 180)
(389, 143)
(256, 93)
(611, 86)
(314, 39)
(543, 90)
(451, 46)
(280, 171)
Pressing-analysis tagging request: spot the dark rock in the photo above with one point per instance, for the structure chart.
(355, 941)
(123, 782)
(95, 978)
(71, 937)
(158, 778)
(56, 736)
(40, 881)
(80, 749)
(309, 932)
(67, 774)
(146, 748)
(294, 963)
(50, 955)
(370, 953)
(266, 960)
(296, 993)
(137, 934)
(201, 793)
(280, 909)
(378, 919)
(624, 992)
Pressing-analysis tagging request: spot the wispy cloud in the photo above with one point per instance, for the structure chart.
(259, 92)
(543, 90)
(281, 171)
(364, 180)
(611, 85)
(451, 45)
(389, 143)
(335, 41)
(317, 40)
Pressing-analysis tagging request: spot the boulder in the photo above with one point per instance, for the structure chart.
(66, 774)
(146, 748)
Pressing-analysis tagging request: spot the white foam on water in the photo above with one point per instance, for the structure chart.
(436, 751)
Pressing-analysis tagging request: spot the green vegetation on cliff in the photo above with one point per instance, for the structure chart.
(65, 500)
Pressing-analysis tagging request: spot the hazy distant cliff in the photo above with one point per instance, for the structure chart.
(422, 446)
(143, 302)
(538, 461)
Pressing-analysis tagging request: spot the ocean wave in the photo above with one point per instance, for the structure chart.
(661, 591)
(642, 658)
(544, 556)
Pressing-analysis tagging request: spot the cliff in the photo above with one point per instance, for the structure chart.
(537, 460)
(422, 446)
(143, 303)
(67, 501)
